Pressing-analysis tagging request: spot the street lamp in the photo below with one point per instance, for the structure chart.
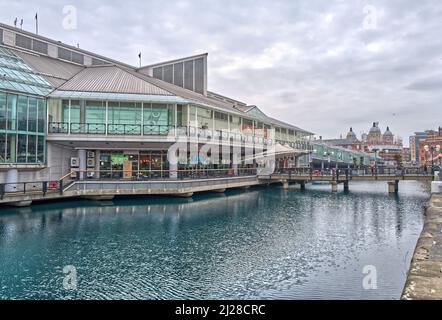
(432, 149)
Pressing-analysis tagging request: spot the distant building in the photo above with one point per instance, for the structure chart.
(415, 143)
(388, 147)
(430, 148)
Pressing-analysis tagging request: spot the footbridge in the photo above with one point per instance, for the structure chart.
(344, 176)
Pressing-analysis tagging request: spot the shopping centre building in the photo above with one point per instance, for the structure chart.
(64, 109)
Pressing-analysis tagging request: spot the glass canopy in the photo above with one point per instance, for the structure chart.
(16, 75)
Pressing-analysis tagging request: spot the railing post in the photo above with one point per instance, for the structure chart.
(60, 186)
(44, 187)
(2, 191)
(24, 187)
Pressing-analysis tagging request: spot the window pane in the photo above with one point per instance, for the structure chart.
(95, 112)
(130, 113)
(113, 112)
(75, 112)
(2, 147)
(32, 149)
(40, 149)
(12, 112)
(64, 54)
(32, 115)
(65, 111)
(21, 148)
(2, 110)
(23, 42)
(78, 58)
(22, 113)
(41, 115)
(10, 147)
(39, 46)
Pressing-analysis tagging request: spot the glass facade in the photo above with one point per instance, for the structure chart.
(22, 129)
(117, 164)
(18, 76)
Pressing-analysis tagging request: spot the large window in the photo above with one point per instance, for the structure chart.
(124, 118)
(95, 112)
(22, 128)
(157, 118)
(205, 118)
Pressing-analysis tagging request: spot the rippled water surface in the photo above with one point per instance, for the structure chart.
(263, 243)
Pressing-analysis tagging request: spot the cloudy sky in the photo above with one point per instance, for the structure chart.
(324, 65)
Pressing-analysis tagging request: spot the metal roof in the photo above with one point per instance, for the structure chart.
(78, 95)
(112, 79)
(203, 55)
(55, 71)
(63, 45)
(185, 93)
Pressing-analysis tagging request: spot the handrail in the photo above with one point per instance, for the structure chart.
(189, 131)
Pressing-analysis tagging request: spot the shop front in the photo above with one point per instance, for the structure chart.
(133, 164)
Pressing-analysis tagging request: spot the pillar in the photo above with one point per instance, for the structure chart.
(393, 186)
(285, 184)
(346, 186)
(83, 163)
(334, 186)
(302, 185)
(173, 163)
(11, 179)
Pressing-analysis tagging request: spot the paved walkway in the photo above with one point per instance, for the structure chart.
(425, 275)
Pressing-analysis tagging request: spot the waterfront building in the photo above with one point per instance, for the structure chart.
(430, 152)
(65, 109)
(418, 153)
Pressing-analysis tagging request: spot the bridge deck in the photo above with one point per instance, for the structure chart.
(343, 178)
(111, 188)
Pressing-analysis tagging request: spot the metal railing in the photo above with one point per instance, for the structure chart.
(349, 173)
(44, 187)
(156, 130)
(15, 188)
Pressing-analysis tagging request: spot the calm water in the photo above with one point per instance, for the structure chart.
(262, 243)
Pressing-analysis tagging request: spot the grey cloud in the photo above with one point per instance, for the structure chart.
(307, 62)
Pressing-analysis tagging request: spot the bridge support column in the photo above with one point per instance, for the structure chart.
(334, 186)
(393, 186)
(285, 184)
(346, 186)
(302, 185)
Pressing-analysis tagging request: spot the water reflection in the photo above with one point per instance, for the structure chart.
(258, 243)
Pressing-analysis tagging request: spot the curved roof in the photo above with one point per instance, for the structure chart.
(388, 132)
